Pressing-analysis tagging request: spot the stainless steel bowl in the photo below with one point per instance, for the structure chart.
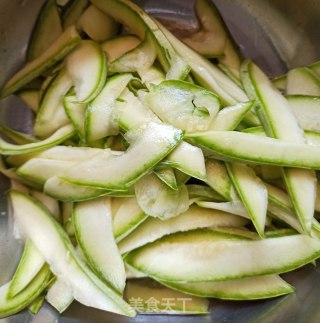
(277, 34)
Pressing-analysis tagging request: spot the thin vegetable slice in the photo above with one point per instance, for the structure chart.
(56, 52)
(208, 256)
(57, 250)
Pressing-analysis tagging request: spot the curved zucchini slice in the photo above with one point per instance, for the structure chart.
(129, 14)
(10, 306)
(251, 288)
(97, 25)
(87, 68)
(56, 138)
(121, 171)
(58, 251)
(93, 228)
(68, 40)
(195, 217)
(211, 256)
(246, 147)
(184, 105)
(48, 28)
(118, 46)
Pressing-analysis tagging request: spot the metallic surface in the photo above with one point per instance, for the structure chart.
(277, 34)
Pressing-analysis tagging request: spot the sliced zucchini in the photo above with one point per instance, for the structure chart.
(303, 80)
(16, 136)
(248, 184)
(127, 217)
(100, 121)
(118, 46)
(139, 58)
(76, 112)
(140, 157)
(57, 249)
(188, 159)
(206, 74)
(10, 306)
(251, 288)
(246, 147)
(229, 118)
(129, 14)
(87, 68)
(97, 25)
(29, 266)
(60, 295)
(68, 40)
(195, 217)
(167, 175)
(51, 115)
(211, 256)
(279, 122)
(305, 108)
(73, 12)
(92, 222)
(210, 39)
(56, 138)
(159, 200)
(47, 29)
(65, 191)
(184, 105)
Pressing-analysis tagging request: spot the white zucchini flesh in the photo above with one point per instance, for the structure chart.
(10, 306)
(202, 192)
(138, 21)
(73, 12)
(39, 170)
(228, 118)
(87, 68)
(279, 122)
(251, 288)
(51, 115)
(141, 57)
(56, 138)
(167, 175)
(217, 178)
(210, 39)
(208, 75)
(209, 256)
(76, 112)
(306, 110)
(250, 148)
(136, 161)
(249, 185)
(29, 266)
(188, 159)
(100, 121)
(184, 105)
(233, 207)
(97, 25)
(195, 217)
(118, 46)
(303, 80)
(53, 243)
(178, 302)
(127, 217)
(52, 204)
(94, 232)
(157, 199)
(48, 28)
(57, 51)
(130, 112)
(60, 295)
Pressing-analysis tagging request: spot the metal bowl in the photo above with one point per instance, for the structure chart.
(276, 34)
